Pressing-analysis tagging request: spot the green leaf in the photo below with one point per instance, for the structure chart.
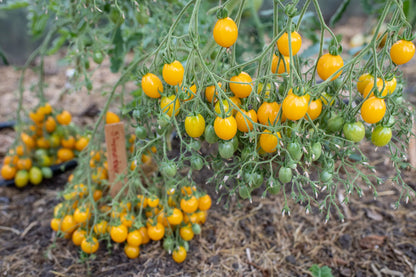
(339, 12)
(320, 271)
(118, 52)
(14, 5)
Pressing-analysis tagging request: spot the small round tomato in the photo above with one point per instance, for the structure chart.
(141, 132)
(8, 172)
(281, 65)
(55, 224)
(314, 109)
(153, 202)
(225, 32)
(131, 251)
(204, 202)
(28, 140)
(134, 238)
(225, 128)
(81, 143)
(402, 51)
(101, 227)
(244, 192)
(69, 142)
(21, 178)
(176, 217)
(186, 233)
(98, 57)
(391, 85)
(50, 124)
(326, 175)
(328, 65)
(82, 214)
(285, 175)
(156, 232)
(269, 141)
(168, 169)
(295, 107)
(210, 135)
(354, 131)
(243, 120)
(381, 87)
(283, 43)
(64, 118)
(196, 162)
(363, 81)
(65, 154)
(226, 149)
(35, 175)
(268, 112)
(169, 105)
(189, 205)
(334, 123)
(211, 93)
(179, 254)
(241, 90)
(111, 118)
(264, 91)
(295, 150)
(316, 150)
(224, 105)
(152, 86)
(119, 233)
(373, 110)
(68, 224)
(236, 101)
(381, 136)
(173, 73)
(145, 235)
(190, 92)
(90, 245)
(78, 236)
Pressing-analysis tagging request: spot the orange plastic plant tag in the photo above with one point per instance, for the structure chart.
(116, 155)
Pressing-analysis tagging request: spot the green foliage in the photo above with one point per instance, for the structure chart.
(320, 271)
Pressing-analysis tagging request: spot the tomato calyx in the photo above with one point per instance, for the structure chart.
(222, 13)
(291, 11)
(335, 48)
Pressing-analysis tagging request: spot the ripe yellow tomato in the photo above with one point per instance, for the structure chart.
(111, 118)
(194, 125)
(243, 120)
(363, 81)
(268, 112)
(328, 65)
(152, 86)
(283, 43)
(169, 105)
(373, 110)
(402, 51)
(225, 32)
(269, 141)
(173, 73)
(225, 128)
(209, 93)
(282, 65)
(314, 109)
(241, 90)
(295, 107)
(90, 245)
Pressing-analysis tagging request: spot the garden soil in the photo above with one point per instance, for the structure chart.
(238, 239)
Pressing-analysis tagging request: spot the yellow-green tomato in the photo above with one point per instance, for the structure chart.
(169, 105)
(195, 125)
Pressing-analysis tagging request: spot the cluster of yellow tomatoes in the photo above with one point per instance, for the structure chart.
(297, 102)
(46, 140)
(89, 214)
